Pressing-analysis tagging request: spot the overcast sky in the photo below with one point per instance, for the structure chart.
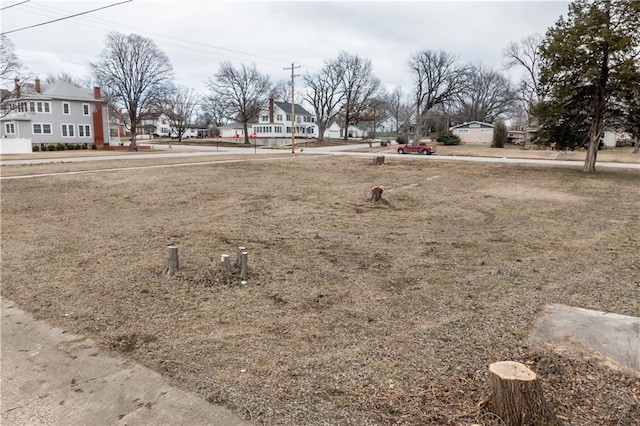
(198, 35)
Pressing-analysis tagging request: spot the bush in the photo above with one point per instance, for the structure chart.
(60, 147)
(93, 146)
(83, 146)
(52, 147)
(500, 135)
(402, 139)
(448, 138)
(35, 148)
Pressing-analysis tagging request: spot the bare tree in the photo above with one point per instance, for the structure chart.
(64, 76)
(179, 106)
(10, 67)
(358, 85)
(525, 54)
(325, 95)
(134, 73)
(240, 93)
(487, 96)
(438, 78)
(398, 108)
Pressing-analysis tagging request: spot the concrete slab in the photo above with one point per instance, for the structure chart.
(615, 336)
(50, 377)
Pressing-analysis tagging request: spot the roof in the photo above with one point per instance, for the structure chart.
(60, 89)
(476, 124)
(286, 106)
(63, 90)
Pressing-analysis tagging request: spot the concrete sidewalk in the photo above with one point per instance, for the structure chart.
(50, 377)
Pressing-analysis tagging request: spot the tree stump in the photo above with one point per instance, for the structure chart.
(517, 396)
(376, 193)
(379, 160)
(225, 264)
(172, 261)
(239, 256)
(244, 264)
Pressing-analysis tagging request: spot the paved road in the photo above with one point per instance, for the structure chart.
(186, 151)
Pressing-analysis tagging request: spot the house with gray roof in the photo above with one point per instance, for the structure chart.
(56, 113)
(275, 122)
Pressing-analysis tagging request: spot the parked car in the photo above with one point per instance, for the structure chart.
(416, 147)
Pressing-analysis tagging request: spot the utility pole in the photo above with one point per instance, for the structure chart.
(293, 107)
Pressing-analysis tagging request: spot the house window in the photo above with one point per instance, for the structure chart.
(279, 117)
(288, 117)
(463, 131)
(277, 129)
(32, 106)
(264, 118)
(43, 107)
(10, 128)
(486, 130)
(68, 131)
(41, 129)
(85, 109)
(84, 131)
(66, 108)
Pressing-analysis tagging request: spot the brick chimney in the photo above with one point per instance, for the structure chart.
(98, 123)
(16, 81)
(37, 85)
(270, 110)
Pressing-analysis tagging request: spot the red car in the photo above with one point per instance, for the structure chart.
(417, 148)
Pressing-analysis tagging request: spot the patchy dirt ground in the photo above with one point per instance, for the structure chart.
(353, 312)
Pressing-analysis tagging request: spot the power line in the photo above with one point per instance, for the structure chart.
(16, 4)
(191, 44)
(65, 17)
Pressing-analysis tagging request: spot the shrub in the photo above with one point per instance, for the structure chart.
(448, 138)
(83, 146)
(500, 135)
(35, 148)
(52, 147)
(60, 147)
(93, 146)
(402, 139)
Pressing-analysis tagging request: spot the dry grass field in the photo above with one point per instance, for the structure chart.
(354, 313)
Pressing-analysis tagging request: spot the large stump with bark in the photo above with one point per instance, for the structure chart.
(517, 396)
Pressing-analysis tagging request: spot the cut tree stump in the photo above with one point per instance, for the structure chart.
(379, 160)
(172, 261)
(225, 264)
(376, 193)
(517, 396)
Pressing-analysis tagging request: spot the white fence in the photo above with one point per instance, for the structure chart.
(15, 146)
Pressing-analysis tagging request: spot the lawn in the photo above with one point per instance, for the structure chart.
(353, 312)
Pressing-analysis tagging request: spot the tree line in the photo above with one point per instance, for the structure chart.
(581, 76)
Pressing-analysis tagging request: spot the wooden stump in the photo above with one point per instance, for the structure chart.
(517, 396)
(379, 160)
(376, 193)
(244, 264)
(239, 256)
(225, 264)
(172, 261)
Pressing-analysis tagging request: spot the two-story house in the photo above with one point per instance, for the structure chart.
(56, 113)
(275, 122)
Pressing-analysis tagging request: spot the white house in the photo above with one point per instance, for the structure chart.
(275, 122)
(333, 131)
(474, 133)
(56, 113)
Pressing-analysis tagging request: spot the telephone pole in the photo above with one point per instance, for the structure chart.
(293, 107)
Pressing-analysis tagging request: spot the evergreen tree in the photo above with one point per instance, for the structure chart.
(590, 62)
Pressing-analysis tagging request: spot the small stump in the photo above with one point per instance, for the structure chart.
(172, 264)
(517, 396)
(376, 193)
